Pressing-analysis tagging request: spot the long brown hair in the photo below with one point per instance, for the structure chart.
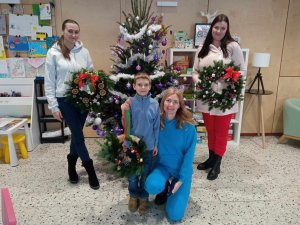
(209, 39)
(182, 114)
(64, 50)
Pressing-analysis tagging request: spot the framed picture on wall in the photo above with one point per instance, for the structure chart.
(201, 30)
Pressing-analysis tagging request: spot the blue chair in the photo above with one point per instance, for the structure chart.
(291, 120)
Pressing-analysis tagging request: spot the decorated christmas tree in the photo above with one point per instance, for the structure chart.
(140, 47)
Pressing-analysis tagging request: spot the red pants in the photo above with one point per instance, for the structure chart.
(217, 132)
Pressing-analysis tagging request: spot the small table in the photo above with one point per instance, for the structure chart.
(9, 132)
(261, 125)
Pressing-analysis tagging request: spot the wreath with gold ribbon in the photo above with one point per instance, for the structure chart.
(213, 77)
(87, 89)
(126, 160)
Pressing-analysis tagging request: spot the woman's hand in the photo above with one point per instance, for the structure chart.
(176, 187)
(125, 106)
(57, 115)
(155, 151)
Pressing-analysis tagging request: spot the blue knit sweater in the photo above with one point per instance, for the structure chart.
(176, 148)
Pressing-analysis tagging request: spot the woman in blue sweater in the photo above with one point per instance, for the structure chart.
(176, 148)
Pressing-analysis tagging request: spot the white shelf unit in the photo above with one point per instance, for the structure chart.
(24, 106)
(237, 121)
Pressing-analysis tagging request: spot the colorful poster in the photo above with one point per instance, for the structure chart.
(36, 11)
(3, 69)
(45, 11)
(40, 32)
(2, 25)
(17, 44)
(16, 67)
(51, 40)
(2, 50)
(34, 67)
(37, 48)
(20, 25)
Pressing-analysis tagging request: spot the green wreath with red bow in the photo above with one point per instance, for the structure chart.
(87, 89)
(213, 76)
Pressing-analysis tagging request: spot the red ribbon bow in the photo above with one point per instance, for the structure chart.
(234, 75)
(94, 79)
(82, 76)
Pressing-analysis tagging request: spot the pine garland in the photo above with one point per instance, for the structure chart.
(212, 75)
(88, 89)
(128, 162)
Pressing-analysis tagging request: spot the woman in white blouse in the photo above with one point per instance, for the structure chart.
(218, 45)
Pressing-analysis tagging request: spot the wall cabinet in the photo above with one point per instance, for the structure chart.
(24, 106)
(189, 55)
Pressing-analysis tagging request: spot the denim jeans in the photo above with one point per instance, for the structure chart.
(75, 120)
(136, 184)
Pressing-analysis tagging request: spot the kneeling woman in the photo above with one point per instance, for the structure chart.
(176, 148)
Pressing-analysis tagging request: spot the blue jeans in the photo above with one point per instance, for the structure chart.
(136, 184)
(75, 120)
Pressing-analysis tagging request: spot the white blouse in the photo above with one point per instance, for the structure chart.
(235, 54)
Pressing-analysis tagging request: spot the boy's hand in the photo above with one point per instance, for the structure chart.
(155, 151)
(125, 106)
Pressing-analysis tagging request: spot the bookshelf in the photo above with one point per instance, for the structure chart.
(236, 122)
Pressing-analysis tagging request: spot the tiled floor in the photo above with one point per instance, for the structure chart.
(255, 186)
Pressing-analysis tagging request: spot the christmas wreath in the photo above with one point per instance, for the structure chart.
(87, 89)
(125, 161)
(226, 76)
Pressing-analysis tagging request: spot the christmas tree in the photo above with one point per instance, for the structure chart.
(140, 47)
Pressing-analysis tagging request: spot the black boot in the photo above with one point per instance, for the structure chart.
(161, 198)
(215, 170)
(93, 180)
(73, 176)
(208, 163)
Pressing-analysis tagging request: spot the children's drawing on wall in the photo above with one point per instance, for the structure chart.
(3, 69)
(37, 49)
(2, 25)
(2, 50)
(34, 67)
(17, 44)
(45, 11)
(16, 67)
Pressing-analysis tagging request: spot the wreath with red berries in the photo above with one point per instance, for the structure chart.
(87, 89)
(214, 75)
(124, 161)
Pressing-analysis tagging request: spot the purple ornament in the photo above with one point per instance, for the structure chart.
(163, 51)
(138, 67)
(116, 115)
(95, 127)
(156, 58)
(159, 86)
(164, 42)
(101, 133)
(118, 131)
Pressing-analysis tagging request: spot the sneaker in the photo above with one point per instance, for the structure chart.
(133, 204)
(143, 206)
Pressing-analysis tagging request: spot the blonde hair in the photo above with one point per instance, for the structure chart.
(141, 75)
(182, 114)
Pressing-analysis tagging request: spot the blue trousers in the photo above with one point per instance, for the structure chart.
(136, 184)
(176, 203)
(75, 120)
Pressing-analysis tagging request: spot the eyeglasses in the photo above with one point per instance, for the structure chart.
(174, 102)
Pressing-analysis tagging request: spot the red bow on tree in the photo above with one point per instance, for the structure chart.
(94, 79)
(230, 73)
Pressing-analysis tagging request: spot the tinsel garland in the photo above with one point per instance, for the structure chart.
(220, 74)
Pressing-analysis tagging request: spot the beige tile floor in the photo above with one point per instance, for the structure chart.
(255, 186)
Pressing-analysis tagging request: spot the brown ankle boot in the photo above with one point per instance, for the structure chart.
(133, 204)
(143, 206)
